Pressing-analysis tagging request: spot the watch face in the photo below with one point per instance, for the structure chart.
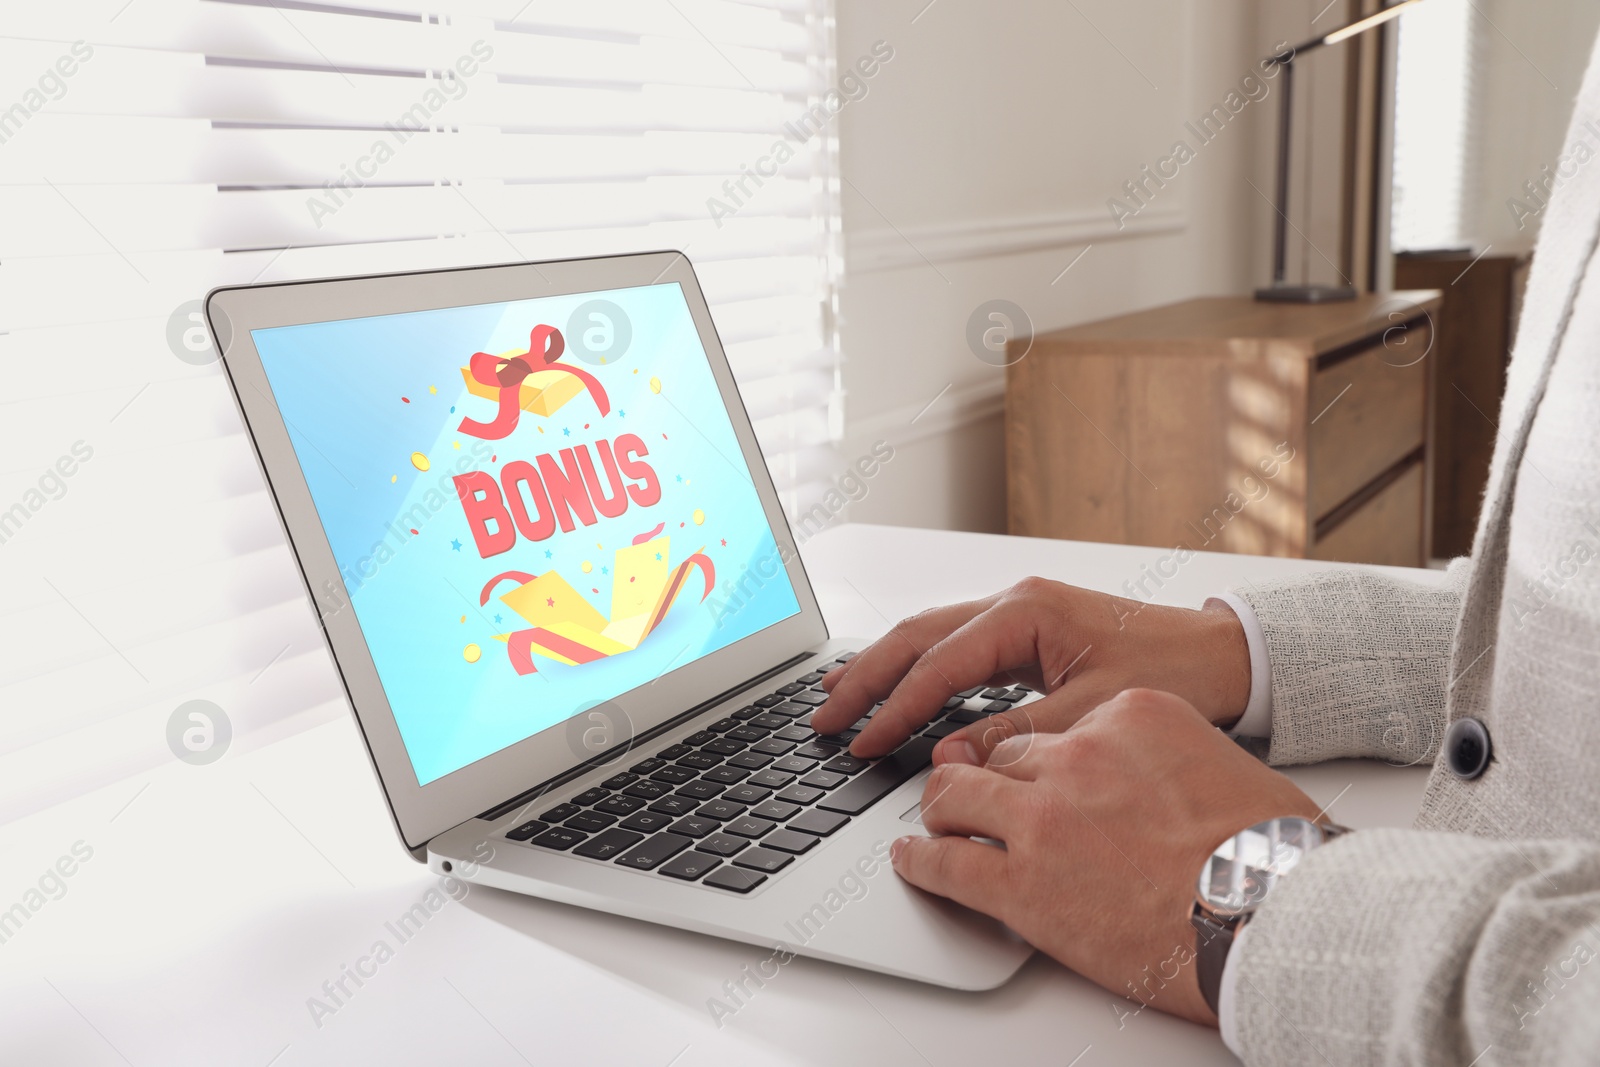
(1242, 870)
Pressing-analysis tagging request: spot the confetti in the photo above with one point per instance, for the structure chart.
(463, 618)
(587, 566)
(433, 388)
(699, 517)
(405, 400)
(419, 461)
(472, 653)
(413, 531)
(541, 429)
(655, 385)
(456, 445)
(452, 409)
(393, 478)
(592, 589)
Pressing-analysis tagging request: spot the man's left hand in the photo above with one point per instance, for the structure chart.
(1105, 829)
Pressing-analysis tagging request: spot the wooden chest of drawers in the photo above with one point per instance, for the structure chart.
(1222, 424)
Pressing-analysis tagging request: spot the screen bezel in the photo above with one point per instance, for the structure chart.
(422, 811)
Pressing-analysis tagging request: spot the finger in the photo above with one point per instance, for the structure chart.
(1050, 715)
(871, 674)
(999, 639)
(964, 870)
(970, 802)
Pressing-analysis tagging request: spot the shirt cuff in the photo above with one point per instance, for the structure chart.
(1257, 718)
(1227, 1016)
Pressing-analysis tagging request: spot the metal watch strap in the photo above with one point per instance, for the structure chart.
(1213, 939)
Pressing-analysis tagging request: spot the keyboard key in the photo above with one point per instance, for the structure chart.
(746, 735)
(796, 734)
(877, 781)
(774, 809)
(560, 813)
(954, 702)
(699, 761)
(647, 821)
(790, 709)
(770, 779)
(770, 700)
(748, 827)
(823, 779)
(700, 790)
(995, 694)
(846, 657)
(720, 844)
(720, 810)
(811, 697)
(527, 830)
(746, 794)
(964, 717)
(699, 737)
(694, 826)
(590, 822)
(690, 866)
(589, 796)
(817, 750)
(815, 821)
(723, 747)
(810, 679)
(620, 779)
(845, 765)
(647, 766)
(968, 694)
(647, 790)
(604, 846)
(558, 838)
(794, 687)
(722, 726)
(941, 729)
(673, 806)
(674, 775)
(800, 794)
(616, 804)
(794, 765)
(789, 841)
(768, 721)
(749, 711)
(750, 761)
(1012, 697)
(672, 752)
(654, 851)
(773, 747)
(761, 859)
(734, 880)
(726, 775)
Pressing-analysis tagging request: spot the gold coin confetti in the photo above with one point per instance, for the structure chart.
(472, 653)
(456, 445)
(699, 517)
(419, 461)
(433, 388)
(587, 566)
(655, 385)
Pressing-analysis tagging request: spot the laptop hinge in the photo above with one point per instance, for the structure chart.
(499, 810)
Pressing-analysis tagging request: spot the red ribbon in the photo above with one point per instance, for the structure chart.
(508, 378)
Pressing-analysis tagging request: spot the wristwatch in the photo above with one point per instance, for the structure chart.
(1237, 878)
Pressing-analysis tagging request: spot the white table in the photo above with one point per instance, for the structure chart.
(218, 899)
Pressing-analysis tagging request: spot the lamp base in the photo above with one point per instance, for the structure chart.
(1305, 294)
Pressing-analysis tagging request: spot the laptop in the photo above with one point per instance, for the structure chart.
(566, 607)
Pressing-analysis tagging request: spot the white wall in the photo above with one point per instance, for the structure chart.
(980, 164)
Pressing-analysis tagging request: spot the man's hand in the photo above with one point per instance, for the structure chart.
(1105, 829)
(1079, 646)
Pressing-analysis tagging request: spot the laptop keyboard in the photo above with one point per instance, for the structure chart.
(744, 798)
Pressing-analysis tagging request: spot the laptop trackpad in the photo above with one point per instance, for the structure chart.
(913, 813)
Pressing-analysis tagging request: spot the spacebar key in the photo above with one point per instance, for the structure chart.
(878, 781)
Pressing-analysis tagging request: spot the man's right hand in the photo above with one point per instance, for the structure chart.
(1049, 637)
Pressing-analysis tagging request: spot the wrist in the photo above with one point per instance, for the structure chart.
(1226, 663)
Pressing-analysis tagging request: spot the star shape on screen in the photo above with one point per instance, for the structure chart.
(658, 555)
(548, 553)
(565, 432)
(549, 601)
(455, 545)
(605, 570)
(679, 477)
(724, 542)
(497, 619)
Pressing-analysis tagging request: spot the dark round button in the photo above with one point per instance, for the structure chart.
(1467, 748)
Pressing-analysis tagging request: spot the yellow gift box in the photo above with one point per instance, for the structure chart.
(543, 392)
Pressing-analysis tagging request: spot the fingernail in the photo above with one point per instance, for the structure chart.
(960, 752)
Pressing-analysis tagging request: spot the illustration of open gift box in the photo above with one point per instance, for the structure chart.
(566, 628)
(543, 392)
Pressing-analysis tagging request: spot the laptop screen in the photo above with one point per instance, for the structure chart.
(535, 506)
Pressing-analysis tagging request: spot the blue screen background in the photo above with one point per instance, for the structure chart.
(340, 386)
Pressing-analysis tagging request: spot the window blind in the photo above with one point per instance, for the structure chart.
(152, 149)
(1436, 72)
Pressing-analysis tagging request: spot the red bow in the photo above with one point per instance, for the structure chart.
(487, 370)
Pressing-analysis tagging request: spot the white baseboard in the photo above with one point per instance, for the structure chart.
(882, 249)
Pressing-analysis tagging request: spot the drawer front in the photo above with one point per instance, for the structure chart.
(1386, 529)
(1369, 415)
